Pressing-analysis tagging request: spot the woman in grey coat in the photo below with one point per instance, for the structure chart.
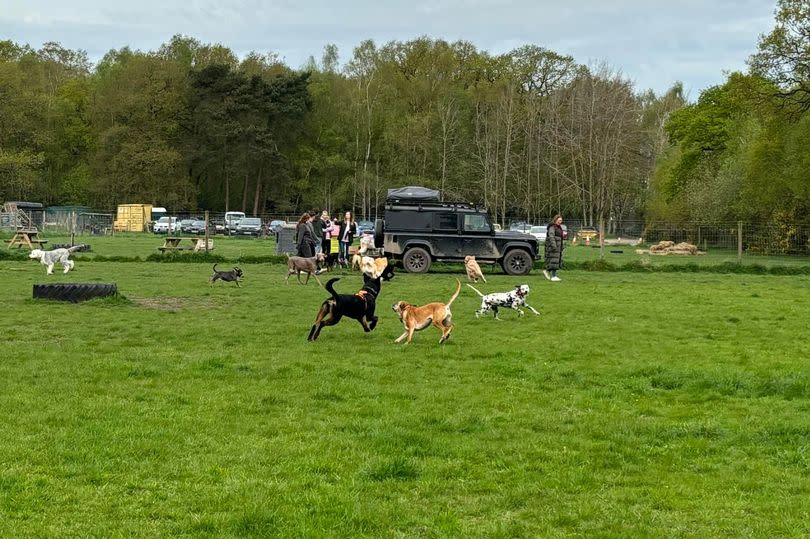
(554, 248)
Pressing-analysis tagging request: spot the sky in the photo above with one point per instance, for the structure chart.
(652, 42)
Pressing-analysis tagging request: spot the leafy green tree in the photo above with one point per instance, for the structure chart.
(784, 55)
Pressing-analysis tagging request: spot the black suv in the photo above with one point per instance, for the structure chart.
(419, 230)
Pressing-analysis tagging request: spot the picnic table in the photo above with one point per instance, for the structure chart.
(173, 243)
(26, 238)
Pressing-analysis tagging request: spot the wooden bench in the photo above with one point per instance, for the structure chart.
(26, 238)
(175, 244)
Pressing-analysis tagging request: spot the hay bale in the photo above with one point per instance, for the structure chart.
(661, 246)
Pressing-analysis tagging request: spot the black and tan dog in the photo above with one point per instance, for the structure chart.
(359, 306)
(234, 275)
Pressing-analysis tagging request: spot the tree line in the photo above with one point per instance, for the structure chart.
(527, 134)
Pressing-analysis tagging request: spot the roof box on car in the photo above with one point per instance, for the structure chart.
(413, 194)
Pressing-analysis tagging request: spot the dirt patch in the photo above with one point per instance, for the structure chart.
(163, 303)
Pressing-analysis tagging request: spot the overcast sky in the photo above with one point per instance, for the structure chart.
(653, 42)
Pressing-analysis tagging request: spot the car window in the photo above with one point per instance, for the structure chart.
(475, 222)
(445, 221)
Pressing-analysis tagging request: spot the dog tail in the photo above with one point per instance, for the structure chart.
(476, 290)
(329, 286)
(75, 247)
(458, 290)
(215, 268)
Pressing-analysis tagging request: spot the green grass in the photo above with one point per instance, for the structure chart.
(636, 405)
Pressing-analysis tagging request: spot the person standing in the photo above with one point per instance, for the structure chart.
(334, 230)
(317, 230)
(326, 238)
(305, 236)
(554, 248)
(346, 233)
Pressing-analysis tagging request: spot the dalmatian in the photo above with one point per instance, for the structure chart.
(514, 299)
(49, 258)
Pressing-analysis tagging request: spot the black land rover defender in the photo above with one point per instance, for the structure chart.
(419, 229)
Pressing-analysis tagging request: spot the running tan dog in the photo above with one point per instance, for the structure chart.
(473, 269)
(418, 318)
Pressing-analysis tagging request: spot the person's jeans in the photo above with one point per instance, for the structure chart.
(318, 248)
(344, 251)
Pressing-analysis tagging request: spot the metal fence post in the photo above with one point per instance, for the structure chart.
(739, 241)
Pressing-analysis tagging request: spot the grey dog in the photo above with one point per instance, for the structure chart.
(234, 275)
(311, 266)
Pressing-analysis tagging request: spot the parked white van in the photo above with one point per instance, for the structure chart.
(232, 219)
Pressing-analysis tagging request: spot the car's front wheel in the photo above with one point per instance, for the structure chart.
(517, 262)
(416, 260)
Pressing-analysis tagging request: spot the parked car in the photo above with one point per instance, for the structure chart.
(165, 225)
(276, 225)
(249, 226)
(539, 232)
(232, 219)
(520, 226)
(365, 227)
(216, 226)
(185, 225)
(421, 231)
(198, 227)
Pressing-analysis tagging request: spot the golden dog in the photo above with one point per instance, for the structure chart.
(418, 318)
(473, 269)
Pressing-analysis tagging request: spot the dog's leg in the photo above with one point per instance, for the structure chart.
(447, 327)
(520, 311)
(532, 309)
(50, 269)
(319, 281)
(411, 331)
(316, 327)
(326, 317)
(287, 278)
(237, 283)
(495, 310)
(364, 323)
(483, 278)
(401, 337)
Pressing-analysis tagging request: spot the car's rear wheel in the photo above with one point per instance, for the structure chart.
(416, 260)
(517, 262)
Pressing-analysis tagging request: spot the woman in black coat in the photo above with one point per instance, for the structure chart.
(554, 248)
(305, 236)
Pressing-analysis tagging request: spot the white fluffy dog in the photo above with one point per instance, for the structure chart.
(49, 258)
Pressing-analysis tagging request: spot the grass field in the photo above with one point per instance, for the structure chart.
(636, 405)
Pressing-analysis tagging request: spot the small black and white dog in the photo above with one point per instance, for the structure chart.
(235, 275)
(514, 299)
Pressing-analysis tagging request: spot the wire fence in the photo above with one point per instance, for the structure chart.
(745, 240)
